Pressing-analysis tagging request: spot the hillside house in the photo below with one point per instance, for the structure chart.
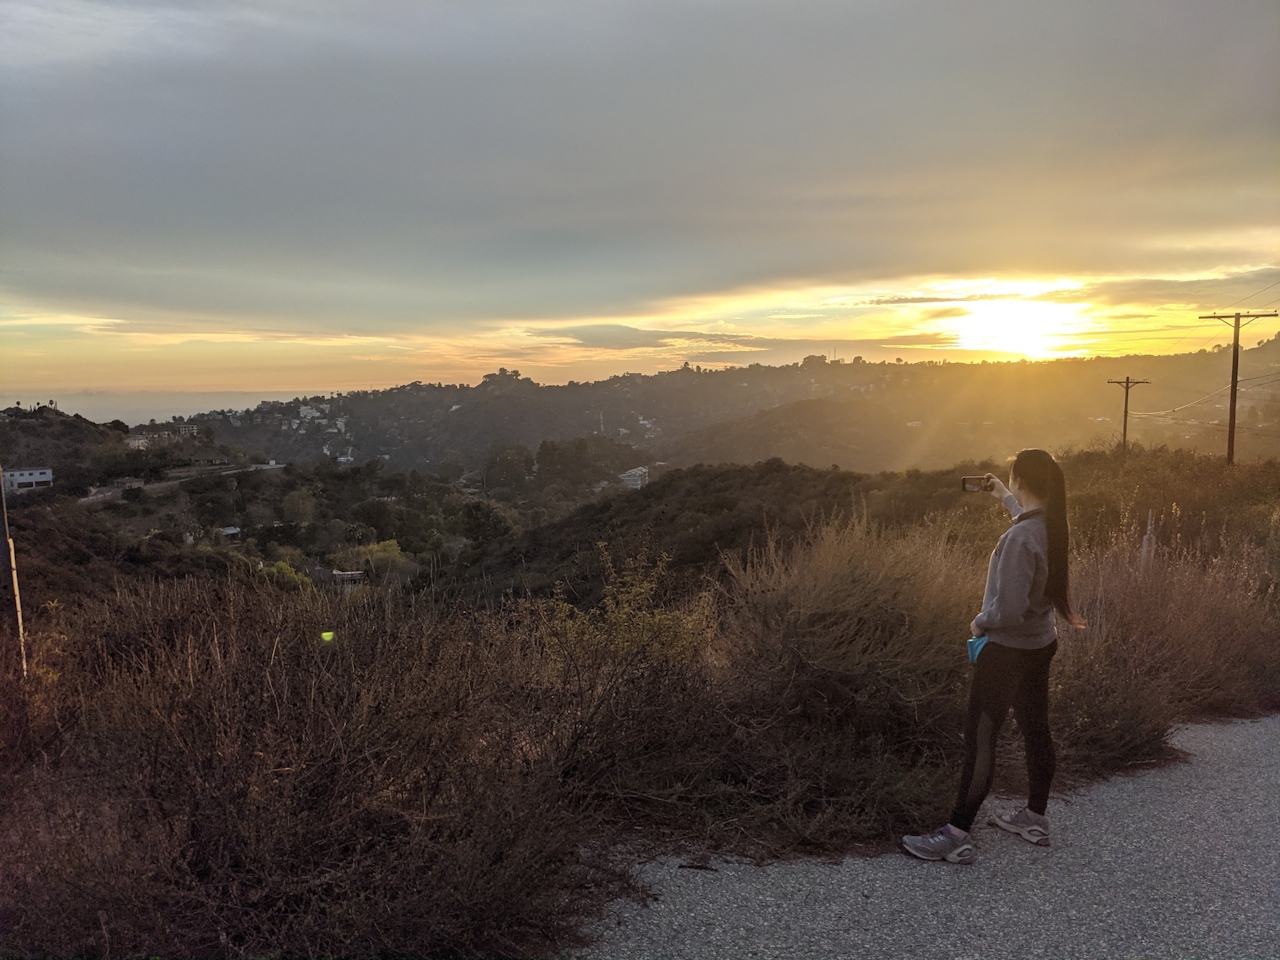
(635, 478)
(348, 581)
(26, 479)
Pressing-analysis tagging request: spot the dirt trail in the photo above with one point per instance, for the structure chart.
(1182, 861)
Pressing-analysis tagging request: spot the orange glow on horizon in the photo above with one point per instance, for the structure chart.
(957, 319)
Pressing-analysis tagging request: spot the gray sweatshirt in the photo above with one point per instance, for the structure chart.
(1015, 612)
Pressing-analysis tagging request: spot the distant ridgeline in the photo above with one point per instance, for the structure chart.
(863, 416)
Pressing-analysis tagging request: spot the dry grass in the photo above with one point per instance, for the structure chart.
(228, 783)
(194, 772)
(1181, 635)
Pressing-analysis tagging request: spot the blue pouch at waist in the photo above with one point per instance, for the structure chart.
(975, 647)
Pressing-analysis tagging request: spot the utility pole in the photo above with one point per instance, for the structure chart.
(1235, 368)
(13, 575)
(1128, 384)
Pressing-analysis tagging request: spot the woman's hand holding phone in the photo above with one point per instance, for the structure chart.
(997, 489)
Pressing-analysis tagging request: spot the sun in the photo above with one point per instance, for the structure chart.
(1034, 329)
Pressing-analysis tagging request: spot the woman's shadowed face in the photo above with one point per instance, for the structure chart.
(1022, 494)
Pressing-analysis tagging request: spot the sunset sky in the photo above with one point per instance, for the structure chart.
(283, 197)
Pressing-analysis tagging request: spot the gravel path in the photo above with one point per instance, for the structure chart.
(1182, 861)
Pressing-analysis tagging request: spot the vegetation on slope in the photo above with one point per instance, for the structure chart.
(871, 416)
(201, 768)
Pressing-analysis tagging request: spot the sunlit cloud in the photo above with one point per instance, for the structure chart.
(328, 195)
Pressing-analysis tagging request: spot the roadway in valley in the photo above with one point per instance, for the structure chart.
(1177, 862)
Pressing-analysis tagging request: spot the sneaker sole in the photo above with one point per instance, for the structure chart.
(1033, 835)
(965, 856)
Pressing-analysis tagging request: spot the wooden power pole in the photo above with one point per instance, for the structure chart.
(1234, 319)
(1128, 385)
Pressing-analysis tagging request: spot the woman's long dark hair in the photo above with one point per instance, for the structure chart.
(1040, 474)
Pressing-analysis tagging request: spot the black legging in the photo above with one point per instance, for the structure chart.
(1005, 677)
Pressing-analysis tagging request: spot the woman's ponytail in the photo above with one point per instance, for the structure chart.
(1040, 474)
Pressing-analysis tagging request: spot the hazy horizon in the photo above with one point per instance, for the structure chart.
(140, 406)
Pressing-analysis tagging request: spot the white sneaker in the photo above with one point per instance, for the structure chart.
(945, 843)
(1031, 827)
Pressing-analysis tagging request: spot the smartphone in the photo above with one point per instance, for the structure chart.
(976, 485)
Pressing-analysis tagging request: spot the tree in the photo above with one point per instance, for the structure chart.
(482, 522)
(299, 507)
(584, 460)
(509, 465)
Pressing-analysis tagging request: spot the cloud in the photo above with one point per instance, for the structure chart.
(908, 300)
(429, 165)
(945, 313)
(616, 336)
(1245, 289)
(448, 187)
(696, 344)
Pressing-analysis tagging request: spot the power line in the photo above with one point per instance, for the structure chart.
(1201, 326)
(1264, 383)
(1210, 396)
(1160, 413)
(1192, 351)
(1215, 426)
(1252, 295)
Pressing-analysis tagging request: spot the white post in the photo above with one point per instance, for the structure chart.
(1149, 541)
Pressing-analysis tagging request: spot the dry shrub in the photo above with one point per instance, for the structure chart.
(232, 784)
(817, 717)
(849, 655)
(220, 780)
(842, 676)
(1179, 635)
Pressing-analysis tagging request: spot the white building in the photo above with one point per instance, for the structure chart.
(24, 479)
(635, 478)
(137, 443)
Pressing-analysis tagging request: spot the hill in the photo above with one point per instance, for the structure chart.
(689, 515)
(84, 454)
(46, 437)
(871, 416)
(933, 415)
(696, 515)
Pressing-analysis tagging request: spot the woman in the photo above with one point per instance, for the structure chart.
(1026, 583)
